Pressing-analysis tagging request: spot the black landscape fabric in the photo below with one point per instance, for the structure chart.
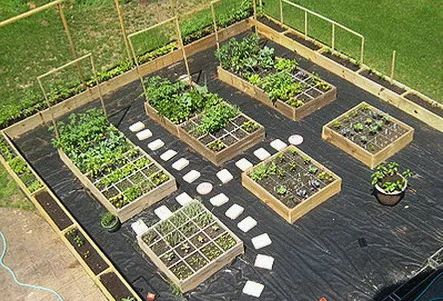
(348, 248)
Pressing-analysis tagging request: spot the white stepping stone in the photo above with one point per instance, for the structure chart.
(139, 227)
(262, 154)
(278, 145)
(156, 144)
(252, 288)
(191, 176)
(167, 155)
(264, 261)
(224, 176)
(243, 164)
(261, 241)
(180, 164)
(163, 212)
(295, 139)
(143, 135)
(219, 200)
(136, 127)
(204, 188)
(183, 199)
(234, 211)
(247, 224)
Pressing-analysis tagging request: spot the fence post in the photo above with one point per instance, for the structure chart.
(306, 24)
(333, 36)
(394, 54)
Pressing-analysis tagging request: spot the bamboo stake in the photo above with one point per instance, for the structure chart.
(281, 12)
(362, 49)
(137, 64)
(394, 54)
(94, 71)
(306, 24)
(214, 22)
(54, 123)
(29, 13)
(185, 59)
(123, 27)
(333, 36)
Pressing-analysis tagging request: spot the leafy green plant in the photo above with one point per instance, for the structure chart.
(250, 126)
(216, 117)
(358, 127)
(288, 65)
(281, 189)
(280, 86)
(386, 176)
(216, 145)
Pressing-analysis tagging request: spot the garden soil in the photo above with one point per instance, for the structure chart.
(348, 248)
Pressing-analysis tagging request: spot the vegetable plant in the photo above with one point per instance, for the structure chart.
(386, 176)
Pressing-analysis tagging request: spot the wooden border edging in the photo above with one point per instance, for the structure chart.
(70, 104)
(354, 77)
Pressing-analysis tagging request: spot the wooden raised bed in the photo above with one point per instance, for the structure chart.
(190, 246)
(233, 136)
(313, 97)
(294, 183)
(136, 206)
(381, 137)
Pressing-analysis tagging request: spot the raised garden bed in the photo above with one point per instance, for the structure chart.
(381, 81)
(53, 209)
(291, 183)
(214, 128)
(19, 166)
(190, 246)
(116, 287)
(89, 254)
(123, 177)
(368, 134)
(276, 82)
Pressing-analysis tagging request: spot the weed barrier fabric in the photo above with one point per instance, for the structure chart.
(348, 248)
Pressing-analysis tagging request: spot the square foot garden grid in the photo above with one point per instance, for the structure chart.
(234, 135)
(280, 84)
(124, 185)
(368, 134)
(291, 183)
(190, 246)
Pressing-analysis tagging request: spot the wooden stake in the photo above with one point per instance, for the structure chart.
(30, 13)
(281, 12)
(57, 134)
(214, 22)
(394, 53)
(306, 24)
(123, 28)
(333, 36)
(362, 49)
(94, 71)
(185, 59)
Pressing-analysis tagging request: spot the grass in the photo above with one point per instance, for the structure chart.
(412, 28)
(10, 195)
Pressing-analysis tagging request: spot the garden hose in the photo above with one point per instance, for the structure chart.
(428, 286)
(14, 277)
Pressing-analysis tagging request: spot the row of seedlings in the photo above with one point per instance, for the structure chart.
(211, 126)
(368, 134)
(123, 177)
(190, 246)
(275, 81)
(291, 183)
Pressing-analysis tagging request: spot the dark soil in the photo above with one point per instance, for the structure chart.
(302, 41)
(53, 209)
(381, 81)
(420, 101)
(117, 289)
(342, 61)
(271, 24)
(87, 252)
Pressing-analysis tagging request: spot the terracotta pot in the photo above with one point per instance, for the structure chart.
(390, 198)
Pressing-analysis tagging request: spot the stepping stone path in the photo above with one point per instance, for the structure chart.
(295, 139)
(204, 188)
(261, 241)
(168, 155)
(224, 176)
(180, 164)
(262, 154)
(143, 135)
(264, 261)
(252, 288)
(219, 200)
(243, 164)
(247, 224)
(156, 144)
(139, 227)
(234, 211)
(191, 176)
(136, 127)
(278, 145)
(183, 198)
(163, 212)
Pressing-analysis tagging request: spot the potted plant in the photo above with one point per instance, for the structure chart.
(110, 222)
(389, 183)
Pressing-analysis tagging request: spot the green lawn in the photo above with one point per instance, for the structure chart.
(413, 28)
